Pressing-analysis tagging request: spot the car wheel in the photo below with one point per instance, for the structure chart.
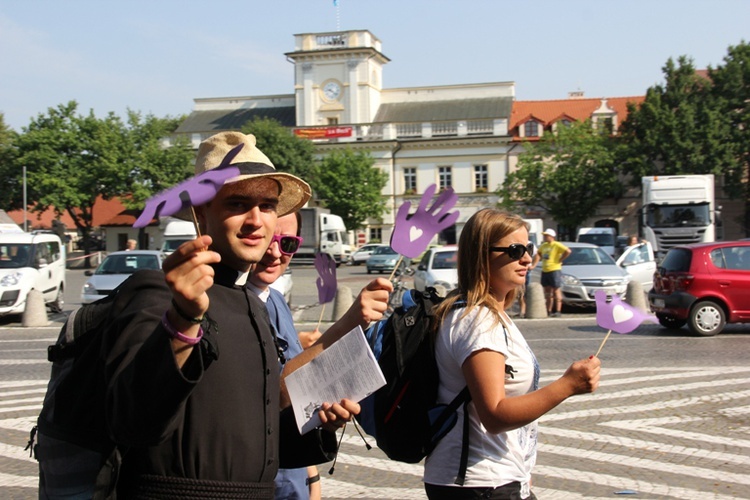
(57, 305)
(706, 318)
(671, 322)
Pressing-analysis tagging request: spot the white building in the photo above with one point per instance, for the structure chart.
(454, 135)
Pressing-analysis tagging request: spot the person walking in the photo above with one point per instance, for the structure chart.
(491, 451)
(192, 382)
(552, 253)
(300, 483)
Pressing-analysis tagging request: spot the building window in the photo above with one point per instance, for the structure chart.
(376, 235)
(480, 178)
(531, 129)
(410, 180)
(445, 177)
(333, 121)
(564, 122)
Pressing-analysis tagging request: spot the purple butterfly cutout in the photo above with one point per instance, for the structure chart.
(412, 233)
(196, 191)
(614, 314)
(326, 281)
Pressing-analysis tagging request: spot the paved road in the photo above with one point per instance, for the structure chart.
(671, 419)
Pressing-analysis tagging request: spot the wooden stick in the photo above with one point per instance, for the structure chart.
(602, 344)
(195, 221)
(400, 258)
(321, 316)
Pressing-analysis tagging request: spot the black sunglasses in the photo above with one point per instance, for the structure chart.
(288, 245)
(516, 250)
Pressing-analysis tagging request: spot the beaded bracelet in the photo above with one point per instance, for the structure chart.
(172, 331)
(184, 315)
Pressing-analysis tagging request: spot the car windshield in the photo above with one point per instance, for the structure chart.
(172, 245)
(384, 251)
(444, 260)
(600, 239)
(127, 264)
(584, 256)
(15, 255)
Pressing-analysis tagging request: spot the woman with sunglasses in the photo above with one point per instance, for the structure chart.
(478, 345)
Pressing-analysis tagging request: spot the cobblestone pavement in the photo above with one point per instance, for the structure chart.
(671, 419)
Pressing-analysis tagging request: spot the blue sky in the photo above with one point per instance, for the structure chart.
(156, 56)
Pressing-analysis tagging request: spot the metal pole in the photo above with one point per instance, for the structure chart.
(25, 227)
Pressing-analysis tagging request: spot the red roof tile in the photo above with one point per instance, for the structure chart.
(104, 211)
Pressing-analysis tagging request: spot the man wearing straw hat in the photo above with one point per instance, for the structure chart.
(193, 389)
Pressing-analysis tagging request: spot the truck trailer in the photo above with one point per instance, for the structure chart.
(322, 232)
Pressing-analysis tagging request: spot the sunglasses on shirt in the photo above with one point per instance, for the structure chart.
(288, 245)
(516, 250)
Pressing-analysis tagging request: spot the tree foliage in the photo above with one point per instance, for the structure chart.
(350, 186)
(567, 173)
(10, 171)
(681, 128)
(72, 159)
(731, 87)
(286, 151)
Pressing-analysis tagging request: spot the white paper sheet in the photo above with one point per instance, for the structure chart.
(346, 369)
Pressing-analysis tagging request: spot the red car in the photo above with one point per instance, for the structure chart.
(705, 285)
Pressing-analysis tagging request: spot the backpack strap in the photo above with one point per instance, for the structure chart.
(464, 462)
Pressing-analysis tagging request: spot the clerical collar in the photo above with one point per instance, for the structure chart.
(227, 276)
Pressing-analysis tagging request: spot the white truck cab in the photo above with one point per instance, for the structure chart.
(31, 261)
(604, 237)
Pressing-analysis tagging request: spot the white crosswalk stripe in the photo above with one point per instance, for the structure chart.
(653, 431)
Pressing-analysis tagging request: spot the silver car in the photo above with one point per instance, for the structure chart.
(116, 268)
(586, 270)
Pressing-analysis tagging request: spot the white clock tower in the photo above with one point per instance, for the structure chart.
(338, 77)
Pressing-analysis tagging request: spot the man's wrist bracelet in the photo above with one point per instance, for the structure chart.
(172, 331)
(313, 479)
(182, 314)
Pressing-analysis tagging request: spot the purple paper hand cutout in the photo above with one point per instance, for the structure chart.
(196, 191)
(617, 315)
(412, 233)
(326, 282)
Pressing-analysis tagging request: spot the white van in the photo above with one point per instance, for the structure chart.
(604, 237)
(176, 232)
(31, 261)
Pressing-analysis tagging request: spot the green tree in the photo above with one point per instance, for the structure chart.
(286, 151)
(73, 159)
(11, 196)
(567, 173)
(680, 128)
(731, 86)
(350, 186)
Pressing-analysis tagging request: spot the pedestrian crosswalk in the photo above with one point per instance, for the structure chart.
(648, 432)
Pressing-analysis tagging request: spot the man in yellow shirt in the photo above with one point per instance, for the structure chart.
(551, 253)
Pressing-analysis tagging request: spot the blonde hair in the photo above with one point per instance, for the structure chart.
(483, 230)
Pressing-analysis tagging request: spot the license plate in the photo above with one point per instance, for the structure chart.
(659, 303)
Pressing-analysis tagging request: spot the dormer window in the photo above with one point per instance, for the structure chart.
(531, 129)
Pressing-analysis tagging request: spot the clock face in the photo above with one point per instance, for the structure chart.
(332, 90)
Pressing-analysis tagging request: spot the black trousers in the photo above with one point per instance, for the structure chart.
(510, 491)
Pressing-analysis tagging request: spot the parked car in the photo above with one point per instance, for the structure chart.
(640, 263)
(586, 270)
(363, 253)
(705, 285)
(383, 259)
(438, 267)
(284, 284)
(116, 268)
(31, 261)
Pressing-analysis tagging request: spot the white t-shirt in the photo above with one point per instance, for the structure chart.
(494, 459)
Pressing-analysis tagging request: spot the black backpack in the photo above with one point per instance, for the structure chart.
(73, 448)
(405, 419)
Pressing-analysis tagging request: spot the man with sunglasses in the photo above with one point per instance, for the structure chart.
(552, 253)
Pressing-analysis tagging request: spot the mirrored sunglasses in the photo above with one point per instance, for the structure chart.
(516, 250)
(288, 245)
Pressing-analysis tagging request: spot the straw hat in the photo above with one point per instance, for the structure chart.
(253, 164)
